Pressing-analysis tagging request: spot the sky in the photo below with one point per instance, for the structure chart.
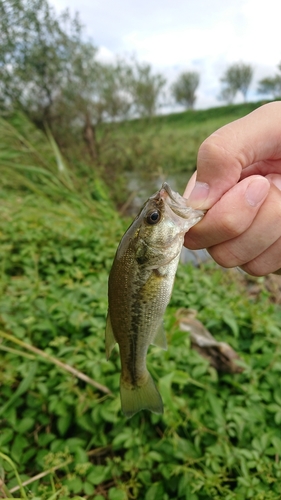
(192, 35)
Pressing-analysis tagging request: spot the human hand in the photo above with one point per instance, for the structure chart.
(239, 182)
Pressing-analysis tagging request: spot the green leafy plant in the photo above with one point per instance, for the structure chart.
(62, 435)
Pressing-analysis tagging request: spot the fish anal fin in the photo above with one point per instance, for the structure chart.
(160, 338)
(144, 397)
(110, 340)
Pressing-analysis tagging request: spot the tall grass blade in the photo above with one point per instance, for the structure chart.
(12, 465)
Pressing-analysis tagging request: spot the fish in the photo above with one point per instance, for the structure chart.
(139, 289)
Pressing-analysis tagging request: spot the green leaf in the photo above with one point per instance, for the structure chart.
(75, 485)
(165, 385)
(88, 488)
(230, 320)
(22, 387)
(199, 370)
(277, 417)
(81, 456)
(154, 455)
(155, 492)
(117, 494)
(6, 436)
(25, 425)
(98, 475)
(18, 447)
(73, 443)
(63, 423)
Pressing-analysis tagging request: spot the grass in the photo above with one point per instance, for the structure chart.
(63, 436)
(164, 146)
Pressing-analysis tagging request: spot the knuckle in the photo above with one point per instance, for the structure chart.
(262, 265)
(253, 268)
(230, 225)
(224, 256)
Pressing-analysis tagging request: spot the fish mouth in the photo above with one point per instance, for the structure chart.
(177, 203)
(166, 190)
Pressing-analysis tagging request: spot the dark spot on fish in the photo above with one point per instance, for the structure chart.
(142, 254)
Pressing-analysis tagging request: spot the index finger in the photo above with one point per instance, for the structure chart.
(224, 154)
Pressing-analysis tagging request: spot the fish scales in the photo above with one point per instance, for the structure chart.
(140, 286)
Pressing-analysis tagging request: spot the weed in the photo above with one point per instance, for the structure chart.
(63, 436)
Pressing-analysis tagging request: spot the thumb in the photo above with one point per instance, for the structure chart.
(226, 152)
(217, 172)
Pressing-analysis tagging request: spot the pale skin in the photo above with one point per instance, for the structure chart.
(238, 181)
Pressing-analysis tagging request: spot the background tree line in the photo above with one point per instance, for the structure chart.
(49, 72)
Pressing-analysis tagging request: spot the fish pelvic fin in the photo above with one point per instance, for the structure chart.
(110, 340)
(137, 398)
(160, 338)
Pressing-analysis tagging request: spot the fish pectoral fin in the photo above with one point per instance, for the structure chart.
(160, 338)
(144, 397)
(110, 340)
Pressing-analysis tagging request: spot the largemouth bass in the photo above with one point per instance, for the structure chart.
(139, 289)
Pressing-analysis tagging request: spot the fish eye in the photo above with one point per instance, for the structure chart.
(153, 217)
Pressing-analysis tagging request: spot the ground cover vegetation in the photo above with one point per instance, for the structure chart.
(62, 434)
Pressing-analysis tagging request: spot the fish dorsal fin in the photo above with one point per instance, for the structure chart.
(160, 338)
(110, 340)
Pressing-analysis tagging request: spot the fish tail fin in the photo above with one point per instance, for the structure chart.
(144, 397)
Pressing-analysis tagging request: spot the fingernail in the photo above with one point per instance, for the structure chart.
(199, 193)
(256, 192)
(274, 179)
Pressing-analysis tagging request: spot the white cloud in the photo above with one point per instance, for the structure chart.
(206, 35)
(105, 55)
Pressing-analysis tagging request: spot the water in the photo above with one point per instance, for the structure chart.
(141, 188)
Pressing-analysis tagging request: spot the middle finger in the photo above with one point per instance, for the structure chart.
(260, 235)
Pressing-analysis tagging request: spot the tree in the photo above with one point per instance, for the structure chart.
(184, 88)
(94, 94)
(50, 73)
(35, 55)
(236, 78)
(145, 88)
(271, 85)
(227, 94)
(45, 61)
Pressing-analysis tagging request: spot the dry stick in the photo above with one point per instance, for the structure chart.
(99, 451)
(39, 476)
(16, 351)
(56, 362)
(128, 202)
